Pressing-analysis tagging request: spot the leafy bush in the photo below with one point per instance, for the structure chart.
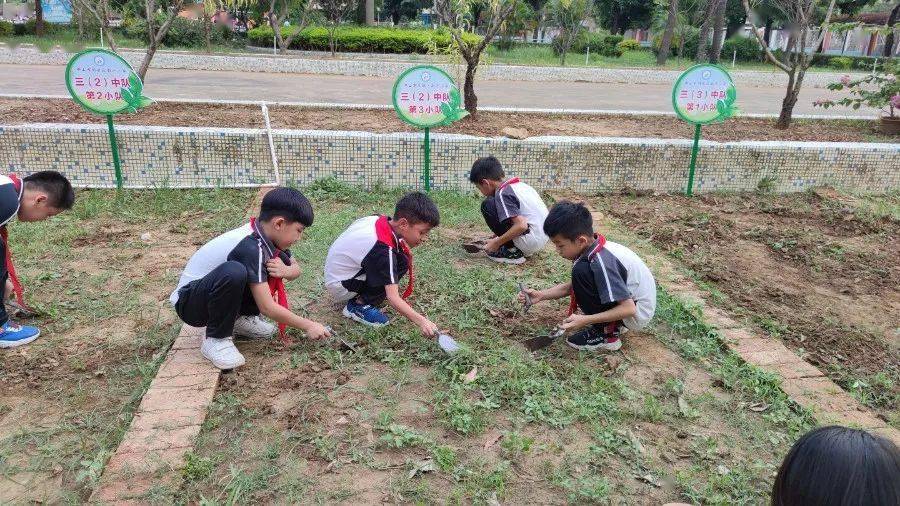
(747, 49)
(629, 45)
(603, 44)
(361, 39)
(6, 28)
(29, 26)
(840, 63)
(182, 33)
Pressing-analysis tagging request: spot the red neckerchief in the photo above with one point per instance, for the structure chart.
(601, 241)
(507, 183)
(10, 268)
(385, 235)
(276, 285)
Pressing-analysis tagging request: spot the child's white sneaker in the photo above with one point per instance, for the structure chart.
(253, 327)
(222, 353)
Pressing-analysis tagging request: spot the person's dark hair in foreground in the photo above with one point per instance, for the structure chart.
(839, 466)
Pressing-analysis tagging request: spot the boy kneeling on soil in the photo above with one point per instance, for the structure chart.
(513, 211)
(365, 263)
(231, 279)
(37, 197)
(610, 284)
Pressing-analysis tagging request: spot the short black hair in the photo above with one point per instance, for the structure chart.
(287, 203)
(837, 465)
(58, 189)
(417, 207)
(486, 168)
(570, 220)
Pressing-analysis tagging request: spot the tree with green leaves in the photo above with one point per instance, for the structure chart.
(277, 12)
(620, 15)
(665, 45)
(455, 14)
(568, 16)
(335, 12)
(99, 9)
(156, 32)
(801, 18)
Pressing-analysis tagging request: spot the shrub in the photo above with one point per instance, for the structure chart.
(840, 63)
(629, 45)
(6, 28)
(603, 44)
(360, 39)
(747, 49)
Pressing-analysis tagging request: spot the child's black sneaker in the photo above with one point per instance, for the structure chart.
(592, 340)
(507, 255)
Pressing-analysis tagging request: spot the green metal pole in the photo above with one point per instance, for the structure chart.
(115, 150)
(696, 148)
(427, 173)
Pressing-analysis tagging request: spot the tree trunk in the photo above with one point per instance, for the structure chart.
(795, 78)
(207, 28)
(38, 18)
(469, 98)
(370, 12)
(767, 31)
(331, 40)
(889, 39)
(145, 64)
(395, 17)
(665, 45)
(718, 32)
(705, 29)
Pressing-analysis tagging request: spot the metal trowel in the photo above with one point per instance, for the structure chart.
(343, 344)
(541, 342)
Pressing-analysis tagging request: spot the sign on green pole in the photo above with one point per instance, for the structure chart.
(426, 97)
(104, 83)
(703, 94)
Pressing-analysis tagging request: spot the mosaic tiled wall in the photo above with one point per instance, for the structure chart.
(190, 157)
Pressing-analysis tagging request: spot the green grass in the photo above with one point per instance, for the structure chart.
(95, 380)
(577, 429)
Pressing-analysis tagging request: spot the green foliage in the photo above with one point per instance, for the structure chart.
(879, 90)
(840, 63)
(182, 33)
(522, 18)
(358, 39)
(601, 44)
(747, 49)
(629, 45)
(865, 63)
(568, 15)
(6, 28)
(401, 436)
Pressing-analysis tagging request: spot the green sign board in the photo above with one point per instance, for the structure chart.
(104, 83)
(425, 97)
(703, 94)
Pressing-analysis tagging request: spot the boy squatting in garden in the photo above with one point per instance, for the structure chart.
(36, 197)
(231, 279)
(365, 263)
(513, 211)
(610, 284)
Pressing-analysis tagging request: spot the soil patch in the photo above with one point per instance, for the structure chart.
(813, 269)
(18, 111)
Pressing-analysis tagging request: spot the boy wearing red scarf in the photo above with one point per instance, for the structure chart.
(513, 210)
(610, 284)
(36, 197)
(240, 274)
(364, 265)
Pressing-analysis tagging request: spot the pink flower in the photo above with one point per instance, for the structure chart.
(845, 80)
(895, 101)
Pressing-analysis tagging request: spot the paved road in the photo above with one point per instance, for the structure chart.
(211, 85)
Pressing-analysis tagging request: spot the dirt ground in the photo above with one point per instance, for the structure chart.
(103, 291)
(818, 270)
(16, 111)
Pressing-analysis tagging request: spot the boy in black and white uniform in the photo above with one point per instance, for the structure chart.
(366, 262)
(233, 278)
(610, 284)
(35, 197)
(513, 210)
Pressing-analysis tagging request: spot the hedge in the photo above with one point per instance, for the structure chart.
(6, 28)
(360, 39)
(604, 45)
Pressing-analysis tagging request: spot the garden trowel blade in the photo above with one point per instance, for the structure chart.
(541, 342)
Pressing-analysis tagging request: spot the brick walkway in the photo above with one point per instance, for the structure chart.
(164, 426)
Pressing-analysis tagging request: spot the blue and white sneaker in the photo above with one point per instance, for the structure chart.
(365, 313)
(12, 335)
